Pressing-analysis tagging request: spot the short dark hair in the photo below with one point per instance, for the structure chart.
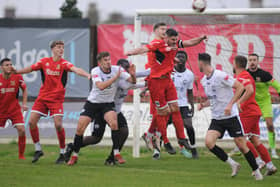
(171, 32)
(157, 25)
(102, 55)
(4, 60)
(205, 58)
(254, 54)
(56, 42)
(123, 63)
(183, 53)
(240, 61)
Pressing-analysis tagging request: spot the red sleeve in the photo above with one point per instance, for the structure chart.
(157, 45)
(22, 83)
(245, 82)
(37, 66)
(67, 65)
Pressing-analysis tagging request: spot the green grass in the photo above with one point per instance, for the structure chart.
(90, 171)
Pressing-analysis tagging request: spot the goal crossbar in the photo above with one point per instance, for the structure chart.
(182, 12)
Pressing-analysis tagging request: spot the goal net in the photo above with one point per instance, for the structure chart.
(230, 32)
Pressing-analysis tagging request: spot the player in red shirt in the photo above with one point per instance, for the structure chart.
(51, 95)
(9, 105)
(162, 90)
(250, 113)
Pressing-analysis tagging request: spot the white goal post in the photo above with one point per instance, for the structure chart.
(176, 12)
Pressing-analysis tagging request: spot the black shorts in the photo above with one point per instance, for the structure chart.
(100, 124)
(93, 110)
(232, 125)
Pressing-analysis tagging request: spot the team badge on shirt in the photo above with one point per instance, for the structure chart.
(12, 83)
(47, 64)
(58, 66)
(258, 79)
(0, 83)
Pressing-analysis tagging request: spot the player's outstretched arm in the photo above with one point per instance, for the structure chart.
(137, 51)
(80, 72)
(194, 41)
(23, 71)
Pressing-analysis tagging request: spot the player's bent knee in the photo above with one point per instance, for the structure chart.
(20, 129)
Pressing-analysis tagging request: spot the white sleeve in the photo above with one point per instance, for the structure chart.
(95, 74)
(226, 79)
(143, 73)
(124, 75)
(191, 77)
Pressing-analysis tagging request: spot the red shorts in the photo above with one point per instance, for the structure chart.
(162, 92)
(16, 118)
(44, 107)
(251, 125)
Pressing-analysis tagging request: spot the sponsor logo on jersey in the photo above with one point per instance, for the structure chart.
(47, 64)
(50, 72)
(7, 90)
(12, 83)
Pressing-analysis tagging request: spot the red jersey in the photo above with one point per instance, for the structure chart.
(159, 58)
(9, 90)
(54, 78)
(250, 106)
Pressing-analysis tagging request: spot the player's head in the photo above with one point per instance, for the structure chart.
(57, 48)
(6, 66)
(240, 62)
(104, 60)
(160, 30)
(253, 61)
(182, 57)
(172, 37)
(124, 64)
(204, 61)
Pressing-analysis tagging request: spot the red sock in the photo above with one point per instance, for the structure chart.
(264, 153)
(61, 138)
(21, 145)
(153, 125)
(161, 123)
(179, 125)
(35, 134)
(252, 149)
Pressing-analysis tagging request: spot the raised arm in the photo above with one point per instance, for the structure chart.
(80, 72)
(23, 71)
(194, 41)
(137, 51)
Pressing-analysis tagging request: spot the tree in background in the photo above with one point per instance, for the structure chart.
(69, 10)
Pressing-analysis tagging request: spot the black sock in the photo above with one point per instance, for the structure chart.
(219, 152)
(116, 139)
(90, 140)
(251, 160)
(190, 130)
(78, 141)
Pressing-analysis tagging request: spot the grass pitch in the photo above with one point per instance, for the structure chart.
(170, 170)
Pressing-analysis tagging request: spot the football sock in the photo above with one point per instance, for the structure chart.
(21, 145)
(252, 149)
(179, 125)
(78, 141)
(264, 153)
(35, 134)
(220, 153)
(251, 160)
(61, 138)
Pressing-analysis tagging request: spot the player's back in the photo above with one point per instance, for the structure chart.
(160, 59)
(250, 106)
